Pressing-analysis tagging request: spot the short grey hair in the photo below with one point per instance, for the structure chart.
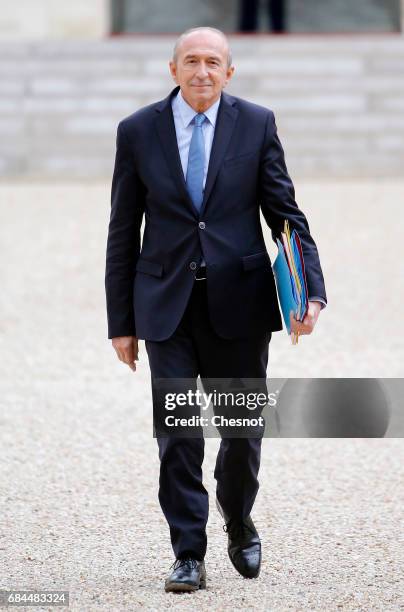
(202, 29)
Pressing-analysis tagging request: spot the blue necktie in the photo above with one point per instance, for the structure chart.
(196, 162)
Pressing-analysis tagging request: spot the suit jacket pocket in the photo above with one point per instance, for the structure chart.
(149, 267)
(240, 159)
(250, 262)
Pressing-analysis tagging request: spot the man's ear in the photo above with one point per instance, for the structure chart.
(230, 72)
(173, 70)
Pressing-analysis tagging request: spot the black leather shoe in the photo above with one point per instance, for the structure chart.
(244, 544)
(187, 575)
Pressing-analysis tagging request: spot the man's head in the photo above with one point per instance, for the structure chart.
(201, 66)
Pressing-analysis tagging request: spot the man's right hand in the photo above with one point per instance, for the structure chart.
(127, 349)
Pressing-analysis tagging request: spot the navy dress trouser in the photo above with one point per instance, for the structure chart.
(195, 349)
(249, 10)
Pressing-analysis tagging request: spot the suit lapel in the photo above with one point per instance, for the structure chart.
(166, 130)
(225, 122)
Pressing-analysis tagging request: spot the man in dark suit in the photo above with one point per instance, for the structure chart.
(199, 288)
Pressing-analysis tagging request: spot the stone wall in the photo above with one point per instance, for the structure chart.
(54, 19)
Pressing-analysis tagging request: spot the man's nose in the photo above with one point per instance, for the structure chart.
(202, 70)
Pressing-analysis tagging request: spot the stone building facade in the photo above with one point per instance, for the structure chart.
(95, 19)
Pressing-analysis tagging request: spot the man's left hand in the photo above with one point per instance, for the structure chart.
(302, 328)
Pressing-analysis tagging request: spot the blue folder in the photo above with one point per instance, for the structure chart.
(289, 297)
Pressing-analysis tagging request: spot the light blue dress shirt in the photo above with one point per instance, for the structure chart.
(183, 115)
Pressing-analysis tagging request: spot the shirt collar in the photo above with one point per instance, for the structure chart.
(187, 113)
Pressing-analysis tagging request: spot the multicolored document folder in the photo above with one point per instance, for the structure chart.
(290, 276)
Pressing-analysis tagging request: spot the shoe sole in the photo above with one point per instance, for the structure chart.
(178, 587)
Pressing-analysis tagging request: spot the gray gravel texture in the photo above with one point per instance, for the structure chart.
(79, 508)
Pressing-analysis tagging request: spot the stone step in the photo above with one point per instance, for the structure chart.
(338, 101)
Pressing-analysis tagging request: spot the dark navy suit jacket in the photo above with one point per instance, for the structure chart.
(148, 282)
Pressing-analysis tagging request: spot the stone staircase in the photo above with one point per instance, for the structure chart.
(338, 100)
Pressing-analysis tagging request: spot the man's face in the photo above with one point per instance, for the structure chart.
(201, 69)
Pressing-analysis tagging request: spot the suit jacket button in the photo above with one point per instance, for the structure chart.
(192, 265)
(201, 225)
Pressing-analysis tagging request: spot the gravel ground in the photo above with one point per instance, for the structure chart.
(79, 501)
